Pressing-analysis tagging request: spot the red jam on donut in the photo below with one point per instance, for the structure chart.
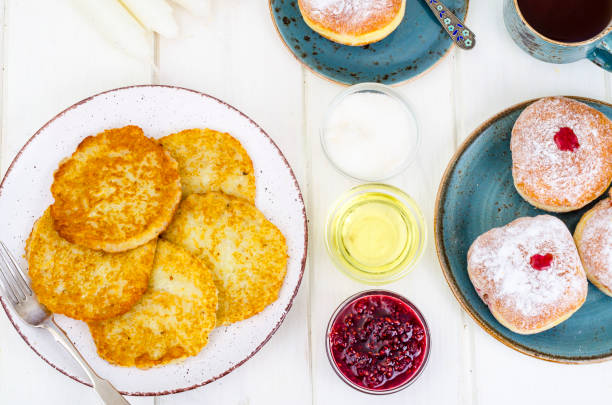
(541, 262)
(378, 342)
(566, 139)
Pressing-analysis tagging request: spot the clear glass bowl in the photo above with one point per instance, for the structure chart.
(378, 88)
(347, 303)
(411, 216)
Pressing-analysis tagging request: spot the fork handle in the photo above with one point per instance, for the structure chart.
(105, 390)
(454, 27)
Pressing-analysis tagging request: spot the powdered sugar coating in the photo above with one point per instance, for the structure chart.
(351, 16)
(522, 298)
(554, 179)
(594, 241)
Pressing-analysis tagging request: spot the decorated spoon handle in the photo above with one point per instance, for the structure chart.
(455, 28)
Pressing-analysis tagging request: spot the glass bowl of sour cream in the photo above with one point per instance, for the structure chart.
(370, 132)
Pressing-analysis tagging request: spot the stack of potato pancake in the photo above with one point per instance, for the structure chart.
(154, 243)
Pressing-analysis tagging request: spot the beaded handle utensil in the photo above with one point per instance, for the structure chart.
(454, 27)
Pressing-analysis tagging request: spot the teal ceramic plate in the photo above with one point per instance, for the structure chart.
(413, 48)
(476, 194)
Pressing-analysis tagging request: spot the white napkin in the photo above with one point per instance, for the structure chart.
(199, 8)
(116, 24)
(155, 15)
(126, 23)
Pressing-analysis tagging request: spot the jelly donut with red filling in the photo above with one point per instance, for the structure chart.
(561, 154)
(528, 273)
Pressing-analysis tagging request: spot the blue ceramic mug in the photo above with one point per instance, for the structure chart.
(598, 49)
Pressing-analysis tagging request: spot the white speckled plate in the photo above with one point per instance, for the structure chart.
(158, 110)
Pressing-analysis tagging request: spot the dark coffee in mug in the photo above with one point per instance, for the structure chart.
(567, 20)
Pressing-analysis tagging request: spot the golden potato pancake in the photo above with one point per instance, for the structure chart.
(246, 253)
(117, 191)
(211, 161)
(171, 321)
(83, 283)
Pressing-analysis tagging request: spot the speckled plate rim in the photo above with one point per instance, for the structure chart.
(329, 79)
(444, 262)
(291, 299)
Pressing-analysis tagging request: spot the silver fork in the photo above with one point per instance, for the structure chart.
(17, 293)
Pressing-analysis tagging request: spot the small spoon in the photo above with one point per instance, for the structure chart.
(454, 27)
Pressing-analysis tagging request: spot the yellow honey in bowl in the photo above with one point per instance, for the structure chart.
(375, 233)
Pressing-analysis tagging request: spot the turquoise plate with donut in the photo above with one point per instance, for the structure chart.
(412, 49)
(476, 194)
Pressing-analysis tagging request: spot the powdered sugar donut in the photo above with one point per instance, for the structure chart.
(561, 154)
(593, 238)
(528, 273)
(353, 22)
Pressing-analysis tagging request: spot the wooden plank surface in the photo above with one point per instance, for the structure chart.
(431, 98)
(51, 58)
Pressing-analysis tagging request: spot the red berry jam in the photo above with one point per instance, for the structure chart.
(378, 341)
(541, 262)
(566, 139)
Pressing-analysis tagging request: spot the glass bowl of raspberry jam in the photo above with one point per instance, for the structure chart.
(378, 342)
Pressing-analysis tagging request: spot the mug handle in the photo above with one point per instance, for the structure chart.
(601, 55)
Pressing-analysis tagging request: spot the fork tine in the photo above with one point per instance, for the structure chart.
(9, 278)
(17, 271)
(7, 288)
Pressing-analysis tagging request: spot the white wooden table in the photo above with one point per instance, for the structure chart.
(51, 59)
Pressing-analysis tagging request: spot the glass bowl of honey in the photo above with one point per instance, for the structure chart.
(375, 233)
